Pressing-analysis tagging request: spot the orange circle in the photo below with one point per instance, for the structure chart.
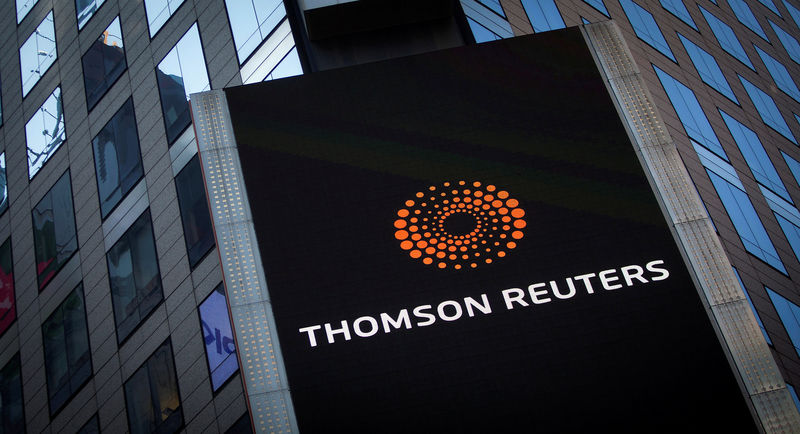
(457, 266)
(517, 235)
(427, 261)
(503, 211)
(505, 228)
(476, 184)
(401, 235)
(490, 187)
(419, 194)
(488, 260)
(502, 194)
(430, 250)
(497, 203)
(519, 224)
(422, 244)
(501, 254)
(473, 265)
(440, 255)
(400, 223)
(512, 203)
(517, 212)
(442, 265)
(488, 198)
(415, 254)
(409, 203)
(506, 219)
(413, 228)
(511, 244)
(416, 237)
(402, 213)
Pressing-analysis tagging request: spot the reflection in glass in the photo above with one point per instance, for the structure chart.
(252, 22)
(789, 314)
(289, 67)
(104, 63)
(780, 74)
(8, 310)
(158, 12)
(117, 161)
(197, 231)
(37, 53)
(746, 17)
(726, 37)
(67, 357)
(134, 278)
(218, 336)
(151, 395)
(23, 7)
(645, 27)
(677, 8)
(789, 43)
(543, 15)
(12, 418)
(85, 9)
(708, 68)
(767, 109)
(3, 184)
(480, 33)
(54, 234)
(181, 73)
(45, 132)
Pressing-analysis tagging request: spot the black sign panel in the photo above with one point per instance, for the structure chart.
(554, 299)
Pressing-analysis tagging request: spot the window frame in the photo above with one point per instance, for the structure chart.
(43, 286)
(233, 374)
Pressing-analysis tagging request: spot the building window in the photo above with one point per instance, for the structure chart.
(769, 4)
(780, 74)
(84, 9)
(746, 221)
(789, 43)
(23, 7)
(67, 358)
(677, 8)
(37, 53)
(196, 219)
(543, 15)
(91, 427)
(789, 314)
(117, 161)
(182, 72)
(3, 184)
(251, 23)
(45, 132)
(241, 426)
(767, 109)
(727, 38)
(794, 395)
(158, 12)
(690, 113)
(599, 5)
(151, 395)
(791, 232)
(1, 105)
(8, 301)
(481, 34)
(708, 68)
(746, 17)
(218, 336)
(54, 236)
(793, 11)
(645, 27)
(134, 276)
(289, 66)
(794, 166)
(104, 63)
(12, 414)
(752, 307)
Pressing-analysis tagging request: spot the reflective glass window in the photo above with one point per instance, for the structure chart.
(794, 395)
(218, 336)
(690, 113)
(117, 160)
(770, 5)
(242, 426)
(752, 307)
(789, 314)
(727, 38)
(746, 221)
(767, 109)
(67, 358)
(12, 416)
(677, 8)
(3, 184)
(645, 27)
(252, 21)
(289, 66)
(481, 34)
(151, 395)
(1, 105)
(599, 5)
(134, 276)
(196, 219)
(708, 68)
(54, 236)
(543, 15)
(104, 63)
(8, 302)
(158, 12)
(746, 17)
(182, 72)
(45, 132)
(23, 7)
(794, 166)
(84, 9)
(494, 5)
(789, 43)
(793, 11)
(792, 233)
(91, 427)
(780, 74)
(37, 53)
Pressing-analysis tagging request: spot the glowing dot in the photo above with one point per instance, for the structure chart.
(431, 188)
(477, 202)
(413, 219)
(465, 257)
(463, 248)
(442, 265)
(441, 255)
(488, 260)
(452, 248)
(503, 211)
(511, 245)
(456, 199)
(452, 257)
(486, 206)
(461, 182)
(488, 198)
(441, 246)
(506, 219)
(415, 254)
(401, 235)
(430, 250)
(490, 187)
(416, 237)
(473, 265)
(476, 184)
(517, 213)
(457, 266)
(427, 261)
(400, 223)
(422, 244)
(416, 211)
(454, 192)
(419, 194)
(502, 194)
(406, 245)
(446, 184)
(402, 213)
(413, 228)
(478, 193)
(512, 203)
(501, 254)
(516, 235)
(519, 224)
(467, 199)
(409, 203)
(467, 191)
(506, 227)
(461, 205)
(497, 203)
(502, 235)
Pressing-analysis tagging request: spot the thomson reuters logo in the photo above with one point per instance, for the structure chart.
(460, 225)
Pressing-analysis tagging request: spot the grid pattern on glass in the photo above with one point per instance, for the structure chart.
(151, 395)
(134, 276)
(599, 5)
(67, 358)
(746, 221)
(726, 37)
(54, 236)
(104, 63)
(708, 68)
(37, 54)
(793, 11)
(117, 160)
(252, 21)
(158, 13)
(3, 184)
(197, 230)
(218, 337)
(12, 415)
(779, 74)
(645, 27)
(752, 307)
(8, 302)
(767, 109)
(45, 132)
(794, 166)
(677, 8)
(789, 314)
(543, 15)
(746, 17)
(789, 43)
(85, 9)
(181, 73)
(481, 33)
(23, 7)
(690, 113)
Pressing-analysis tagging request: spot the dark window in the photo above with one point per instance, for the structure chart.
(104, 63)
(85, 9)
(242, 426)
(91, 427)
(67, 359)
(218, 336)
(117, 161)
(197, 229)
(151, 395)
(135, 280)
(54, 234)
(3, 184)
(8, 301)
(11, 410)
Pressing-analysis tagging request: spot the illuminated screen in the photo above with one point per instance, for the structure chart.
(465, 241)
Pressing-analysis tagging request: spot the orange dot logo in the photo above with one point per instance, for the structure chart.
(460, 225)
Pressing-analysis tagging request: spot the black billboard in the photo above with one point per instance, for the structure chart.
(465, 241)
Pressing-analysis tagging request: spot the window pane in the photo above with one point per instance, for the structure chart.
(85, 9)
(746, 17)
(196, 219)
(789, 43)
(794, 395)
(793, 11)
(218, 336)
(790, 316)
(767, 109)
(494, 5)
(645, 27)
(37, 53)
(54, 230)
(752, 307)
(792, 233)
(780, 74)
(599, 5)
(158, 12)
(252, 21)
(11, 410)
(45, 132)
(151, 395)
(8, 301)
(727, 38)
(134, 278)
(288, 67)
(23, 7)
(182, 72)
(91, 427)
(67, 357)
(104, 63)
(794, 166)
(3, 184)
(770, 5)
(543, 15)
(708, 68)
(242, 426)
(677, 8)
(481, 34)
(117, 161)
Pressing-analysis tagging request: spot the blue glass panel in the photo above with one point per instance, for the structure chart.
(789, 314)
(767, 109)
(85, 9)
(780, 74)
(746, 17)
(481, 34)
(218, 336)
(38, 53)
(494, 5)
(752, 307)
(645, 27)
(252, 22)
(792, 233)
(543, 15)
(599, 5)
(770, 5)
(45, 132)
(677, 8)
(726, 37)
(708, 68)
(789, 43)
(584, 20)
(158, 12)
(23, 7)
(794, 166)
(746, 222)
(793, 11)
(794, 395)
